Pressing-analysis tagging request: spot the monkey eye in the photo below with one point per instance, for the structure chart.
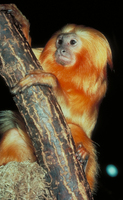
(72, 42)
(60, 41)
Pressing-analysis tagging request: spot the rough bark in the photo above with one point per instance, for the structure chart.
(45, 123)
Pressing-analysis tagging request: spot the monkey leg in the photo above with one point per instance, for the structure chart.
(80, 139)
(85, 153)
(25, 26)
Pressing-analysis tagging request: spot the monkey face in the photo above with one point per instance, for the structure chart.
(66, 46)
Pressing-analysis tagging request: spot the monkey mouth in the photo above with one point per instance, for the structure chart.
(63, 60)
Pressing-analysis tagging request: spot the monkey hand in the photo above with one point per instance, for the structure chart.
(82, 155)
(11, 8)
(36, 77)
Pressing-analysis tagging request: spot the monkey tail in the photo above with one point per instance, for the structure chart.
(9, 120)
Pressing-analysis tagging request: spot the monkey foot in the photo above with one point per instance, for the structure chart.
(82, 155)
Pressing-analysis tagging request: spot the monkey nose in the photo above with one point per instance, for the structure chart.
(63, 52)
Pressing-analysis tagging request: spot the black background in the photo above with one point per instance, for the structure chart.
(45, 18)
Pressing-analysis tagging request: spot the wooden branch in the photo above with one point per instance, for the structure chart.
(43, 117)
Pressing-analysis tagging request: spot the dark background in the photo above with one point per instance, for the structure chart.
(46, 17)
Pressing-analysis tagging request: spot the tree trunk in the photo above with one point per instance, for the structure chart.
(44, 120)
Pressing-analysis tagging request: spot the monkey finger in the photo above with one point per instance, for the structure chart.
(14, 90)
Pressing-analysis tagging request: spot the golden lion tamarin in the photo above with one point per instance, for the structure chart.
(75, 66)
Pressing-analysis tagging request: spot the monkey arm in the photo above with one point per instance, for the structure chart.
(38, 77)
